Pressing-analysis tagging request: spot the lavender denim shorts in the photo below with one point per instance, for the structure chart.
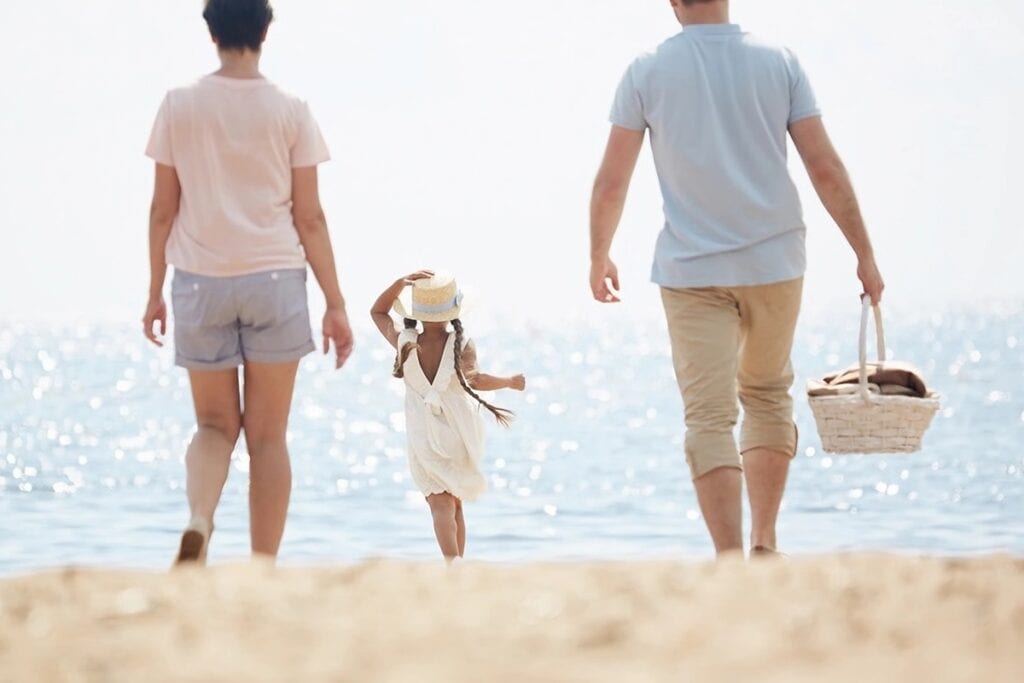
(222, 322)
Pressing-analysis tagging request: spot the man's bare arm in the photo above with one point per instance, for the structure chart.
(609, 198)
(832, 183)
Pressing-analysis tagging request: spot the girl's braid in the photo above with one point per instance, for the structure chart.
(503, 416)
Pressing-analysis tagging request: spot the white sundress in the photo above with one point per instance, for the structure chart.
(444, 427)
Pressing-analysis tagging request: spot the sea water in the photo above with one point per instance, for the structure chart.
(94, 424)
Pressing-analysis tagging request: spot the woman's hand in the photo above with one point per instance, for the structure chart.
(338, 331)
(156, 311)
(410, 279)
(517, 382)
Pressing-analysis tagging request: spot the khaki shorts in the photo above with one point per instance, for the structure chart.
(729, 342)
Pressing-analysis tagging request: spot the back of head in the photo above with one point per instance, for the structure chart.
(238, 24)
(701, 11)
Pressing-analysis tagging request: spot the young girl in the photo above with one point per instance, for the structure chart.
(444, 427)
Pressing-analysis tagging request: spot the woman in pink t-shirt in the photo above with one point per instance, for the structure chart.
(236, 211)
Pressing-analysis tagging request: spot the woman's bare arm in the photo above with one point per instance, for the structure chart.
(311, 224)
(162, 212)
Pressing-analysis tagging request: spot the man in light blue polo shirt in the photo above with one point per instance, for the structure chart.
(730, 258)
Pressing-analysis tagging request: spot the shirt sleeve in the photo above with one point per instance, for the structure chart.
(802, 102)
(628, 107)
(309, 148)
(159, 148)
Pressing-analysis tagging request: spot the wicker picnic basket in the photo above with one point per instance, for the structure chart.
(864, 422)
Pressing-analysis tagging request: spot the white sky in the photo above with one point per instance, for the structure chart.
(466, 135)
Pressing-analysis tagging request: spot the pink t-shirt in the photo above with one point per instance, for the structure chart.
(234, 143)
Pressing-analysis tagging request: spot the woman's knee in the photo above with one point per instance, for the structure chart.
(260, 437)
(227, 425)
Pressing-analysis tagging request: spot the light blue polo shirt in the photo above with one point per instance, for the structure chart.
(718, 104)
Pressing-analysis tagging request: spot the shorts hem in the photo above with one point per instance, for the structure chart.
(280, 356)
(190, 364)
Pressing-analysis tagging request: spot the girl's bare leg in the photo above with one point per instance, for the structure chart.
(442, 507)
(460, 524)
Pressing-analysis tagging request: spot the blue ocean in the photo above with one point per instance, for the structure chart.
(94, 423)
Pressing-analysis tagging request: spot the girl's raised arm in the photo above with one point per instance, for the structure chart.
(381, 311)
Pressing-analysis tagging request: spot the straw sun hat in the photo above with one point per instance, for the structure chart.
(436, 299)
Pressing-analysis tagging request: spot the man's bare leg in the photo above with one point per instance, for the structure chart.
(766, 471)
(719, 493)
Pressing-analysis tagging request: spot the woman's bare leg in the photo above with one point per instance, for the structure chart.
(208, 459)
(268, 401)
(442, 507)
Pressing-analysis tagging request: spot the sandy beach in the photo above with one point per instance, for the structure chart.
(853, 618)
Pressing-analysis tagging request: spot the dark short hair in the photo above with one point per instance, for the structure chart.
(691, 3)
(238, 24)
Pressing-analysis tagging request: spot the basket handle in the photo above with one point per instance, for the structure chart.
(880, 338)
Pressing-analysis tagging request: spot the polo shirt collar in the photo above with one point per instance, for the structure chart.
(712, 29)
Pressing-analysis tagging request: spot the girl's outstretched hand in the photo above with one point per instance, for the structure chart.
(517, 382)
(418, 275)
